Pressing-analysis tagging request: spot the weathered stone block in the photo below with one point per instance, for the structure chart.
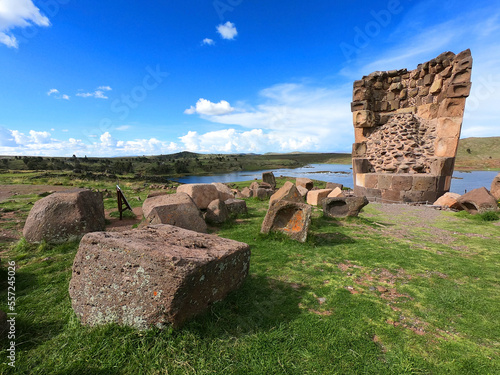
(315, 197)
(384, 181)
(371, 180)
(343, 206)
(446, 147)
(161, 275)
(364, 119)
(65, 215)
(268, 177)
(428, 79)
(449, 127)
(459, 90)
(217, 212)
(436, 86)
(336, 193)
(391, 196)
(246, 192)
(361, 165)
(495, 187)
(358, 149)
(288, 192)
(202, 194)
(453, 107)
(449, 200)
(442, 166)
(478, 201)
(304, 182)
(360, 106)
(333, 185)
(291, 218)
(424, 183)
(423, 90)
(236, 207)
(461, 77)
(225, 191)
(401, 183)
(175, 209)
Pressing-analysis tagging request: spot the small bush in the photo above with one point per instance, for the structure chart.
(488, 216)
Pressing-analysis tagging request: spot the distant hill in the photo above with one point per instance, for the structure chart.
(478, 153)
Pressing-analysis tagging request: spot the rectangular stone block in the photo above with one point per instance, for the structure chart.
(359, 191)
(359, 150)
(461, 77)
(394, 105)
(459, 90)
(361, 165)
(360, 94)
(424, 183)
(359, 179)
(443, 183)
(363, 119)
(402, 183)
(428, 79)
(371, 180)
(360, 135)
(442, 166)
(452, 107)
(315, 197)
(446, 147)
(449, 127)
(391, 196)
(428, 111)
(384, 181)
(360, 106)
(373, 194)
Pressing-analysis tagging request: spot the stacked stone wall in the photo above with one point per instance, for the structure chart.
(407, 124)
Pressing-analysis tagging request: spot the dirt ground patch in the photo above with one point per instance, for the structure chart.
(7, 191)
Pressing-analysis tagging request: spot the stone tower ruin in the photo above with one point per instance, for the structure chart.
(407, 125)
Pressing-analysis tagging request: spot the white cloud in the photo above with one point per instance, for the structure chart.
(55, 93)
(104, 88)
(227, 30)
(206, 107)
(123, 127)
(208, 42)
(18, 13)
(98, 93)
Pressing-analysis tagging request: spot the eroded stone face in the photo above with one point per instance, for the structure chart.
(408, 123)
(291, 218)
(154, 276)
(343, 206)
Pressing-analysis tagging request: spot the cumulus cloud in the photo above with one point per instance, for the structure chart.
(208, 42)
(55, 93)
(18, 14)
(98, 93)
(227, 30)
(206, 107)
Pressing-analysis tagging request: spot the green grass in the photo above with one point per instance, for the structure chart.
(353, 299)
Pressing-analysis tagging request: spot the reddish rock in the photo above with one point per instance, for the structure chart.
(478, 201)
(202, 194)
(302, 190)
(236, 206)
(495, 187)
(65, 215)
(153, 277)
(449, 200)
(343, 206)
(335, 193)
(246, 193)
(268, 177)
(175, 209)
(217, 212)
(304, 182)
(291, 218)
(315, 197)
(225, 191)
(288, 192)
(333, 185)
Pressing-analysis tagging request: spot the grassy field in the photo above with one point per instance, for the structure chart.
(478, 153)
(399, 290)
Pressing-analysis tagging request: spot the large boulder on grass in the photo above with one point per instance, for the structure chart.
(217, 212)
(478, 201)
(202, 194)
(176, 209)
(288, 192)
(153, 277)
(343, 206)
(290, 218)
(65, 215)
(225, 191)
(495, 187)
(236, 207)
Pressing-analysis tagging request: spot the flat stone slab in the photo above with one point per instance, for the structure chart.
(175, 209)
(153, 277)
(65, 215)
(291, 218)
(343, 206)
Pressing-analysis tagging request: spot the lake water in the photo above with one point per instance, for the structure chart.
(340, 173)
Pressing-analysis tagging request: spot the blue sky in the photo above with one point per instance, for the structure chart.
(111, 78)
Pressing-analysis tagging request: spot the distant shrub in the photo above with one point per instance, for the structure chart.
(488, 216)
